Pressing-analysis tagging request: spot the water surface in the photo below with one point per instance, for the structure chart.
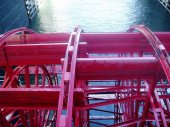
(100, 15)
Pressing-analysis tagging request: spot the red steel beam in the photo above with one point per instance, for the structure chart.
(113, 101)
(45, 98)
(29, 98)
(132, 121)
(98, 42)
(34, 98)
(113, 68)
(33, 54)
(137, 66)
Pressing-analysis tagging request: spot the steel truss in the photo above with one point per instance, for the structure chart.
(85, 79)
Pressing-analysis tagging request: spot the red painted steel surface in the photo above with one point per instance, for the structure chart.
(85, 79)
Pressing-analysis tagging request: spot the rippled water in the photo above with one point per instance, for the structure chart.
(100, 15)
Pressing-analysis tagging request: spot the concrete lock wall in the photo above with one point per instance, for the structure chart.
(166, 4)
(13, 14)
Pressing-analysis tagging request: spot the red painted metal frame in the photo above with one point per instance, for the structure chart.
(85, 79)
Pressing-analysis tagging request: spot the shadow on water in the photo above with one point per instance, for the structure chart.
(100, 15)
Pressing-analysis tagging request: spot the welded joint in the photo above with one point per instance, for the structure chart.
(79, 90)
(62, 122)
(168, 58)
(67, 77)
(161, 47)
(74, 33)
(70, 49)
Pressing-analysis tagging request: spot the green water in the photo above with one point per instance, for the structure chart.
(100, 15)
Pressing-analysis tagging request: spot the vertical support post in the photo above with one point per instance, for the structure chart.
(23, 118)
(36, 75)
(68, 81)
(27, 77)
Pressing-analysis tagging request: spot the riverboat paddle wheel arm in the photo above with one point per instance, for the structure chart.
(85, 79)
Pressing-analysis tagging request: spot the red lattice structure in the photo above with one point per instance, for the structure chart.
(85, 79)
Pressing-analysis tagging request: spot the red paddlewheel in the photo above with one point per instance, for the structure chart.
(85, 79)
